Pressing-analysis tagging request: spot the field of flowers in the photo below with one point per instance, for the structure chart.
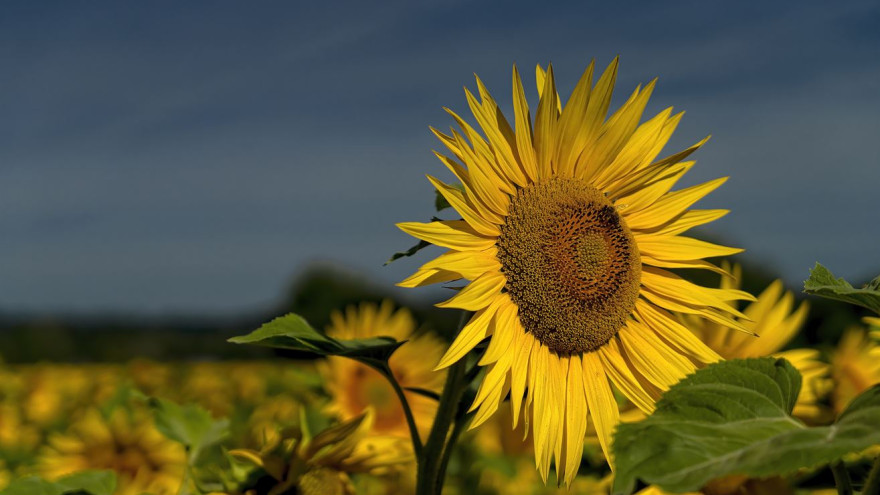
(61, 419)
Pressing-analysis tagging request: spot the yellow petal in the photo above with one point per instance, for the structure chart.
(600, 399)
(656, 362)
(471, 335)
(545, 127)
(457, 200)
(575, 420)
(681, 248)
(478, 294)
(622, 377)
(468, 264)
(674, 332)
(688, 220)
(462, 175)
(428, 277)
(574, 130)
(671, 205)
(503, 334)
(452, 234)
(519, 370)
(523, 124)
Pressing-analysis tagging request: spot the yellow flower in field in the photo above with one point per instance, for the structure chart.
(321, 464)
(127, 442)
(568, 228)
(855, 365)
(773, 322)
(15, 433)
(5, 475)
(354, 386)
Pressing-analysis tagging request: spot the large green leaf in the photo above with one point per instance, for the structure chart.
(290, 331)
(81, 483)
(91, 482)
(293, 332)
(734, 417)
(189, 425)
(822, 283)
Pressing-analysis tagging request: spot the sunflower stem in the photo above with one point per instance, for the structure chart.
(872, 484)
(461, 423)
(429, 479)
(410, 420)
(841, 478)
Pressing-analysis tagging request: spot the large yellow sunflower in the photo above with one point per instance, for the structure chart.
(774, 321)
(568, 226)
(354, 386)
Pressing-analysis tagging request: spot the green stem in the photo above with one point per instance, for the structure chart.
(429, 480)
(410, 420)
(841, 478)
(872, 484)
(460, 426)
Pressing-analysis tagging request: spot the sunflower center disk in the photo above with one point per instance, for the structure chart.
(572, 266)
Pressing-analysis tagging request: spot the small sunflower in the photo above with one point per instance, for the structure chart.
(568, 227)
(321, 464)
(127, 442)
(855, 364)
(354, 386)
(773, 322)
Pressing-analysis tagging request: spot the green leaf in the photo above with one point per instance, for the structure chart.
(409, 252)
(290, 331)
(32, 486)
(293, 332)
(822, 283)
(734, 417)
(83, 482)
(189, 425)
(92, 482)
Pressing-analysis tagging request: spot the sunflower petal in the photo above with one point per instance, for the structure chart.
(457, 200)
(622, 377)
(603, 407)
(471, 335)
(478, 294)
(452, 234)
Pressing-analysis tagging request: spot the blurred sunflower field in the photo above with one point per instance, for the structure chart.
(598, 348)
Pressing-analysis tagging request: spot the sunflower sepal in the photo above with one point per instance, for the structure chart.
(735, 417)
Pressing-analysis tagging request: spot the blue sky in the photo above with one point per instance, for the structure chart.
(192, 157)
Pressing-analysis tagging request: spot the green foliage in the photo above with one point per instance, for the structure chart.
(822, 283)
(409, 252)
(440, 204)
(189, 425)
(293, 332)
(734, 417)
(81, 483)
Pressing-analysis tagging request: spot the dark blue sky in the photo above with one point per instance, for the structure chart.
(192, 156)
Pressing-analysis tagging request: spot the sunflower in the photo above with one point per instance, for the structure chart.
(855, 364)
(773, 323)
(321, 464)
(126, 442)
(568, 227)
(354, 386)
